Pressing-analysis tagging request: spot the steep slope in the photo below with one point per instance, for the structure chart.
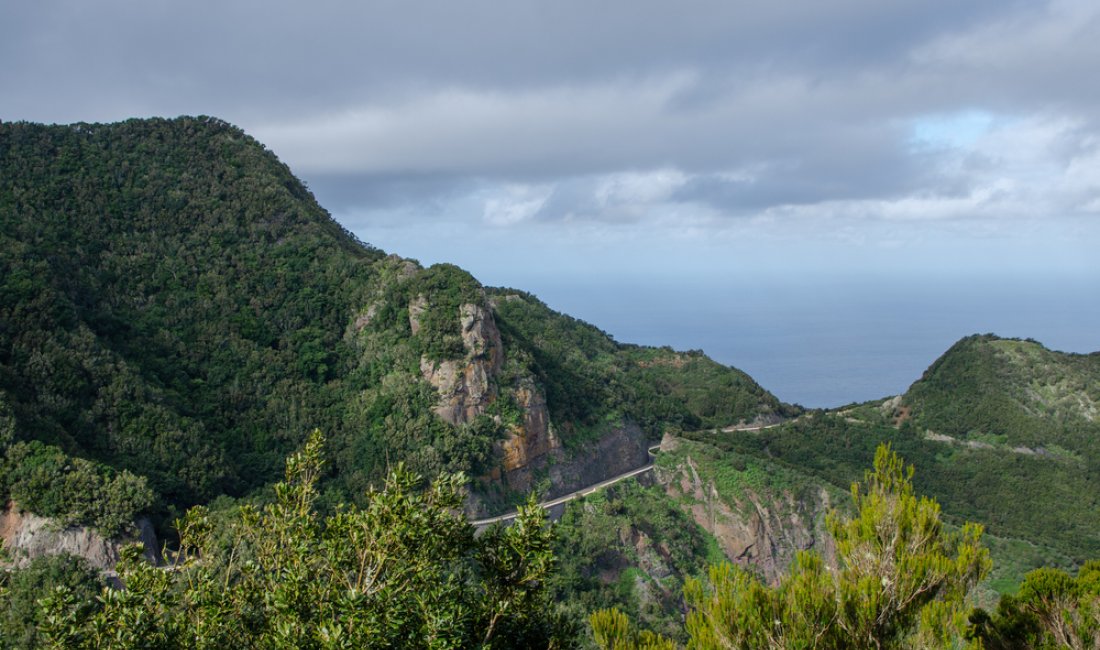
(175, 306)
(633, 545)
(761, 513)
(1012, 392)
(1002, 432)
(174, 300)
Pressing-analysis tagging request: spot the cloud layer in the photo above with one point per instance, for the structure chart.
(688, 119)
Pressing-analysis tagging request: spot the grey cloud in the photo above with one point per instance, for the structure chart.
(249, 59)
(833, 172)
(341, 193)
(415, 105)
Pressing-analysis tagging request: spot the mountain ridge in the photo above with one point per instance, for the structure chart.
(178, 306)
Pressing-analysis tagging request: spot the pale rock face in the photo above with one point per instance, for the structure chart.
(364, 319)
(467, 386)
(764, 532)
(27, 536)
(417, 306)
(480, 336)
(464, 385)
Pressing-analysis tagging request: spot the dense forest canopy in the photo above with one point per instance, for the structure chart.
(177, 313)
(177, 310)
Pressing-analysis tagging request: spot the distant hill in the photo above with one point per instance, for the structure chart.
(1012, 392)
(1002, 431)
(175, 304)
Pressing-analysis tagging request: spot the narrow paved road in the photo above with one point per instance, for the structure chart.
(756, 428)
(583, 492)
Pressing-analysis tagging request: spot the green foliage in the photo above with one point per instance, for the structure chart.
(902, 580)
(612, 630)
(897, 558)
(20, 615)
(1014, 389)
(737, 477)
(443, 289)
(1051, 610)
(405, 571)
(173, 298)
(629, 547)
(1012, 560)
(1049, 501)
(589, 378)
(44, 480)
(177, 305)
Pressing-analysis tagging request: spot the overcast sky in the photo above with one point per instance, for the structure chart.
(527, 140)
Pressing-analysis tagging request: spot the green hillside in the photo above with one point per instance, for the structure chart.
(176, 308)
(587, 375)
(177, 313)
(1011, 392)
(1004, 432)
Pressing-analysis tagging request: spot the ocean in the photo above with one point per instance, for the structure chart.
(832, 341)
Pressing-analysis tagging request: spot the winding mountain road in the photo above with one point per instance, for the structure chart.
(596, 487)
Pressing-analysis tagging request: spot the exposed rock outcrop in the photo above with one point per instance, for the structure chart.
(618, 451)
(27, 536)
(465, 386)
(417, 307)
(534, 438)
(757, 528)
(531, 449)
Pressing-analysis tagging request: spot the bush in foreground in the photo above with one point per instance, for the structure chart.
(901, 581)
(405, 571)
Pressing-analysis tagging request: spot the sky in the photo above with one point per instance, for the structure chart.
(655, 149)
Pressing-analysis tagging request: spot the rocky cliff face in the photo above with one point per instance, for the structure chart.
(618, 451)
(466, 386)
(27, 536)
(761, 528)
(533, 438)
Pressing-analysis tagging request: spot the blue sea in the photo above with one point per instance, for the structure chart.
(832, 341)
(817, 325)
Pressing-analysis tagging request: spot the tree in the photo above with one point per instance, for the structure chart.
(901, 579)
(1051, 610)
(405, 571)
(19, 612)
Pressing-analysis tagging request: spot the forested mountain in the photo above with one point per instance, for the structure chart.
(177, 313)
(1004, 431)
(1001, 431)
(177, 310)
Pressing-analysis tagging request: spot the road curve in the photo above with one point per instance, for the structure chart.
(585, 491)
